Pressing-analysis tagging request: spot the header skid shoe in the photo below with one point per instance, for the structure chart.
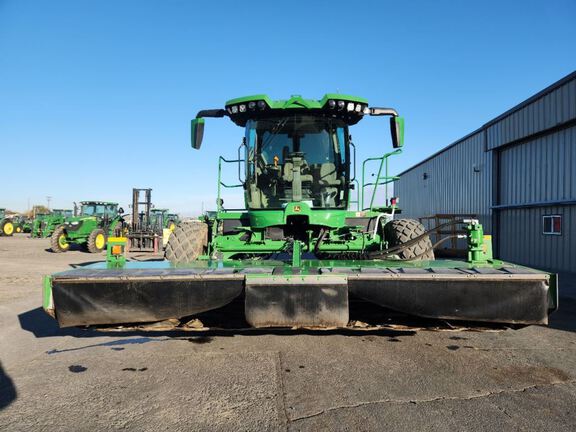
(305, 301)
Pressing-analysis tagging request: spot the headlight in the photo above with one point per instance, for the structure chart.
(242, 108)
(331, 104)
(261, 104)
(350, 106)
(252, 105)
(234, 109)
(341, 105)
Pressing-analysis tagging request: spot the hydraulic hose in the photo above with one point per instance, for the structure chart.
(412, 242)
(434, 246)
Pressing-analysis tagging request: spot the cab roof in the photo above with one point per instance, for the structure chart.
(98, 202)
(349, 108)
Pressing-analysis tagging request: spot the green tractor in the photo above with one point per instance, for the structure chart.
(45, 224)
(312, 237)
(160, 218)
(7, 227)
(22, 224)
(91, 228)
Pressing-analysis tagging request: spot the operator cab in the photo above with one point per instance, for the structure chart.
(296, 150)
(297, 157)
(99, 209)
(63, 213)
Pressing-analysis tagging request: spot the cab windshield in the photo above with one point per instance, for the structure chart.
(297, 158)
(99, 210)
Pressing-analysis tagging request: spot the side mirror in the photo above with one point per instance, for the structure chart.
(197, 132)
(397, 131)
(120, 211)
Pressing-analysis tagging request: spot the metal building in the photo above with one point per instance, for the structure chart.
(517, 173)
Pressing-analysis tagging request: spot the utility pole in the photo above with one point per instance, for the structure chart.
(48, 198)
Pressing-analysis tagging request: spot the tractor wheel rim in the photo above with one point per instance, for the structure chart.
(99, 241)
(8, 228)
(62, 241)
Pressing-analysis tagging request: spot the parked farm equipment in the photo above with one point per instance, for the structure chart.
(7, 228)
(163, 219)
(145, 231)
(298, 252)
(96, 222)
(45, 224)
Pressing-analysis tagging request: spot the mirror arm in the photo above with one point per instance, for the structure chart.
(212, 113)
(383, 111)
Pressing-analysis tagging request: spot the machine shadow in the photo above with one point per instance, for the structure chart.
(565, 317)
(8, 392)
(225, 322)
(365, 318)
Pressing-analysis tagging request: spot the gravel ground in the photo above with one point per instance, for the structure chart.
(460, 380)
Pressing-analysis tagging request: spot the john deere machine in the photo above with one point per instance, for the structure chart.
(312, 236)
(163, 219)
(45, 224)
(91, 228)
(7, 227)
(21, 224)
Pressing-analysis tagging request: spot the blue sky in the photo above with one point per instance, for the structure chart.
(96, 96)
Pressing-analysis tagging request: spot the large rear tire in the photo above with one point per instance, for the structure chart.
(58, 240)
(187, 242)
(96, 241)
(400, 231)
(6, 228)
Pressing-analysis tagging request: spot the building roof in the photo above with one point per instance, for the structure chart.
(495, 120)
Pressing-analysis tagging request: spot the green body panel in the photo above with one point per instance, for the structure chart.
(47, 302)
(266, 218)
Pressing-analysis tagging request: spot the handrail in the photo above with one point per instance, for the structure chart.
(380, 180)
(221, 183)
(357, 201)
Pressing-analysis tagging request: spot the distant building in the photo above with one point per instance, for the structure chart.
(517, 173)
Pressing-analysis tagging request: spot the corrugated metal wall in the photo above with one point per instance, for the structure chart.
(540, 170)
(464, 171)
(537, 171)
(529, 153)
(551, 109)
(522, 240)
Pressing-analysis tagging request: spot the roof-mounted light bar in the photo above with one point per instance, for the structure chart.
(346, 106)
(244, 107)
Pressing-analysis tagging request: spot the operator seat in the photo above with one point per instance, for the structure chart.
(328, 183)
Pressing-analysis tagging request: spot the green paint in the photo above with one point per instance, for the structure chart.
(47, 302)
(296, 254)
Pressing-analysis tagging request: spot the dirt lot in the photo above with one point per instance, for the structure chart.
(463, 380)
